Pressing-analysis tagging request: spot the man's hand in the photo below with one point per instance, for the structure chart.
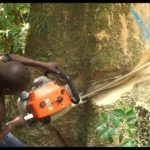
(17, 122)
(52, 68)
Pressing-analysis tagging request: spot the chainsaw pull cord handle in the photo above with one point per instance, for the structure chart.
(76, 98)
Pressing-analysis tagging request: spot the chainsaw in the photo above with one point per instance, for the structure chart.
(47, 101)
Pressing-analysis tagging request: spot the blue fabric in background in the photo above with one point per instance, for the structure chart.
(144, 27)
(11, 141)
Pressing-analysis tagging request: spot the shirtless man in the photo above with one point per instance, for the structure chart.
(14, 78)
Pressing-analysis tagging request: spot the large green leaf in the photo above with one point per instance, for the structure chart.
(119, 113)
(118, 116)
(114, 120)
(107, 132)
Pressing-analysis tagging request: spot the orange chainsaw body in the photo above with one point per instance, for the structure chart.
(48, 100)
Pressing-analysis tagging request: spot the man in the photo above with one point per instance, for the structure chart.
(14, 78)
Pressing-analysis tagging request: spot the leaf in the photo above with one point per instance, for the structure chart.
(130, 113)
(131, 132)
(128, 143)
(99, 124)
(131, 118)
(107, 132)
(119, 113)
(131, 121)
(126, 109)
(101, 127)
(104, 117)
(107, 117)
(115, 120)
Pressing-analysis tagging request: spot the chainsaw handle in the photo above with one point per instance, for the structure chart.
(76, 98)
(75, 94)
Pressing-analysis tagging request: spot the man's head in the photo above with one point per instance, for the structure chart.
(14, 77)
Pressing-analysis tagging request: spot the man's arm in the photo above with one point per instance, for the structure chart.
(17, 122)
(50, 67)
(6, 130)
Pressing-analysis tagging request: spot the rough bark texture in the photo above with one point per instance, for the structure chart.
(91, 42)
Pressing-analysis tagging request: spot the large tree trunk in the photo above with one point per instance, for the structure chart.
(91, 42)
(67, 40)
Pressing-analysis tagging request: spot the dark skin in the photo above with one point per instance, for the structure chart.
(16, 81)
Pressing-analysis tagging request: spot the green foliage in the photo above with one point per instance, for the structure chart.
(118, 125)
(41, 22)
(46, 20)
(13, 27)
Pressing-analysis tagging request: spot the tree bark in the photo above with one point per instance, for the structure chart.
(92, 43)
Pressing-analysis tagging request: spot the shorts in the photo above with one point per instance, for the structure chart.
(11, 141)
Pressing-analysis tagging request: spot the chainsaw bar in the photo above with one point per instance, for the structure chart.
(126, 77)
